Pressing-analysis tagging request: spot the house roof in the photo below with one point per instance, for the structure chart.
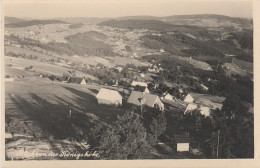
(108, 94)
(181, 138)
(188, 97)
(136, 97)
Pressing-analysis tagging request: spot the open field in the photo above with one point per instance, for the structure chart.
(37, 108)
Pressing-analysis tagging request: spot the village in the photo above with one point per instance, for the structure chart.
(137, 90)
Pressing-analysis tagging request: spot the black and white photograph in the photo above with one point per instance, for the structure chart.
(128, 80)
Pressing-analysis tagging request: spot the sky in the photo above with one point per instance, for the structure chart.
(118, 8)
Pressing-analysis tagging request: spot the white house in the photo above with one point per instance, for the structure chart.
(162, 50)
(110, 97)
(167, 96)
(188, 99)
(182, 143)
(190, 108)
(142, 75)
(135, 83)
(204, 110)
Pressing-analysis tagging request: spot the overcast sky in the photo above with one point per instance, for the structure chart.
(117, 8)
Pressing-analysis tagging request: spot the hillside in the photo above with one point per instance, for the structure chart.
(145, 24)
(84, 44)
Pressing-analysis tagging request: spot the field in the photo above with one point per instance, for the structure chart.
(37, 109)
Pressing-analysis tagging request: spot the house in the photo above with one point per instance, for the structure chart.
(188, 99)
(167, 96)
(135, 83)
(162, 50)
(204, 110)
(141, 98)
(142, 75)
(190, 108)
(109, 97)
(182, 143)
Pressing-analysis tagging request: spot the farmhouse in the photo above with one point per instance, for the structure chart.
(135, 83)
(182, 142)
(188, 99)
(110, 97)
(141, 98)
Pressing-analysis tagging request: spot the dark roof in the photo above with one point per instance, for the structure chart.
(135, 97)
(181, 138)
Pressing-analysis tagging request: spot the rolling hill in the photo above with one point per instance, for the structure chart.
(201, 20)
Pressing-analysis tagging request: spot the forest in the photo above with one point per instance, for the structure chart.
(78, 44)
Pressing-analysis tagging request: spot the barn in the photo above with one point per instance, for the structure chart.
(182, 143)
(142, 98)
(109, 97)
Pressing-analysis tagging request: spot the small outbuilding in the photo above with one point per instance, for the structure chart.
(109, 97)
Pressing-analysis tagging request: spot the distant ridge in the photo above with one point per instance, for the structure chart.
(201, 20)
(25, 23)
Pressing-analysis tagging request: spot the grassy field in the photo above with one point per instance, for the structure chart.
(37, 110)
(39, 67)
(247, 66)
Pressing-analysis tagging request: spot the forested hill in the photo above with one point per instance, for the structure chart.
(143, 24)
(32, 23)
(12, 20)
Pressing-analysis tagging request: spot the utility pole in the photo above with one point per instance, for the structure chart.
(218, 143)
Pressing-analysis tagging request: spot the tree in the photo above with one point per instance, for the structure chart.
(155, 123)
(127, 140)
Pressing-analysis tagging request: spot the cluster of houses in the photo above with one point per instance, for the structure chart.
(145, 98)
(142, 96)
